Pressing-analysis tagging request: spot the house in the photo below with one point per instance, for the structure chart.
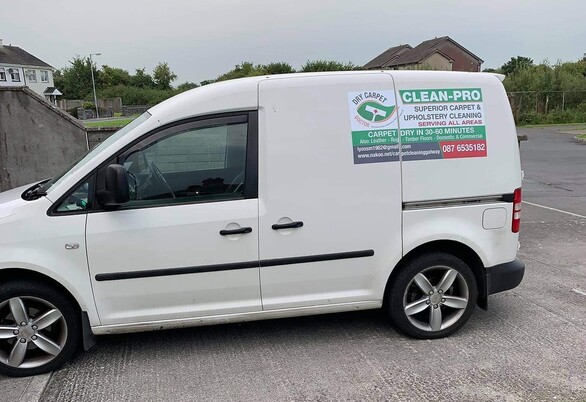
(435, 54)
(19, 68)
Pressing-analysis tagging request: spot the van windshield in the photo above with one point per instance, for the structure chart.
(46, 188)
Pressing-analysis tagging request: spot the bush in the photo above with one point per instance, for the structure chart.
(577, 115)
(73, 112)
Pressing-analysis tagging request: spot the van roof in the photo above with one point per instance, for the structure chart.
(241, 94)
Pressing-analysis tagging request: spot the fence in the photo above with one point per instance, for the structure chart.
(557, 106)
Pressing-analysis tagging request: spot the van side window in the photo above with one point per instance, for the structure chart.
(78, 199)
(198, 164)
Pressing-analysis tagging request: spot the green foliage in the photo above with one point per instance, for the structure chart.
(75, 81)
(248, 69)
(163, 76)
(139, 89)
(141, 79)
(244, 69)
(537, 92)
(327, 65)
(137, 96)
(186, 86)
(112, 76)
(516, 64)
(278, 68)
(553, 117)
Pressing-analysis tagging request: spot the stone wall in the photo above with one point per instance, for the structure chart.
(114, 103)
(37, 140)
(84, 114)
(134, 110)
(96, 135)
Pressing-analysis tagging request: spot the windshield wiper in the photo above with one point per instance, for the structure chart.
(34, 192)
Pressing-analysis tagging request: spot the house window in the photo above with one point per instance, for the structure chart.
(31, 75)
(44, 76)
(2, 74)
(14, 74)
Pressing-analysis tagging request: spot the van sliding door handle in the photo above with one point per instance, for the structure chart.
(227, 232)
(291, 225)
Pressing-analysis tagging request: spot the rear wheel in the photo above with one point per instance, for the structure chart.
(39, 328)
(432, 296)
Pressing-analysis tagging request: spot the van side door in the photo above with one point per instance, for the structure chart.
(186, 245)
(329, 189)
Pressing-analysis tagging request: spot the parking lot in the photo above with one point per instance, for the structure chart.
(529, 345)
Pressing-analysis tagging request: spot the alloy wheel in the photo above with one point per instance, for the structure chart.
(32, 332)
(436, 298)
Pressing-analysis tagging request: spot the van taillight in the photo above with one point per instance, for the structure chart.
(516, 211)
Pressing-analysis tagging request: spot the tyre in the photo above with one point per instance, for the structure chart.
(432, 296)
(39, 328)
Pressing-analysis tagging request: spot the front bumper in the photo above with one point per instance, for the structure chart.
(500, 278)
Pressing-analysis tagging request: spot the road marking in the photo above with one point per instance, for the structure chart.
(580, 292)
(555, 209)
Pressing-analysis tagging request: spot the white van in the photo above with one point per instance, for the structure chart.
(270, 197)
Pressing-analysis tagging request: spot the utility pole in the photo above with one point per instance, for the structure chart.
(94, 82)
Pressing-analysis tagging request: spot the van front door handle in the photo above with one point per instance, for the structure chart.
(290, 225)
(227, 232)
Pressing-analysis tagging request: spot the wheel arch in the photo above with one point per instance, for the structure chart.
(10, 274)
(455, 248)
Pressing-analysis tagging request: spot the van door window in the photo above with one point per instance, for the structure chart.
(198, 164)
(77, 200)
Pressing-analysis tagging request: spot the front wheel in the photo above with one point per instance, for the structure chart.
(39, 328)
(432, 296)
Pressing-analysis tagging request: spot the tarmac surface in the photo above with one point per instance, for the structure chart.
(529, 345)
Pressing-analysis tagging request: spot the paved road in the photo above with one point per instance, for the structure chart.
(555, 169)
(530, 345)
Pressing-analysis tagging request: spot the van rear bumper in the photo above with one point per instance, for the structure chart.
(500, 278)
(504, 276)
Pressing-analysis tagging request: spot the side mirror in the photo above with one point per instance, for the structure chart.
(117, 191)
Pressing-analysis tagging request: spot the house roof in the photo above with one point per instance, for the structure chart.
(15, 55)
(426, 49)
(386, 56)
(52, 91)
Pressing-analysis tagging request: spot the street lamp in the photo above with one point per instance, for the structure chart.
(94, 83)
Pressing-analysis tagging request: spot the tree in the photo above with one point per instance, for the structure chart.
(516, 64)
(75, 81)
(186, 86)
(163, 76)
(278, 68)
(141, 79)
(112, 76)
(327, 65)
(248, 69)
(244, 69)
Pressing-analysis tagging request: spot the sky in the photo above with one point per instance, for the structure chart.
(201, 39)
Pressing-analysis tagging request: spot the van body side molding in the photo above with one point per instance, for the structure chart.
(114, 276)
(453, 202)
(316, 258)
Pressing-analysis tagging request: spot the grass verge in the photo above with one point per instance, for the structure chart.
(108, 123)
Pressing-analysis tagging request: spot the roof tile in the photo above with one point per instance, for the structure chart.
(17, 56)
